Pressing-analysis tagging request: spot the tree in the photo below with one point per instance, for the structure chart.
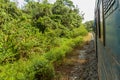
(89, 25)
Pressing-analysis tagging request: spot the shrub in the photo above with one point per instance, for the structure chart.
(42, 68)
(30, 43)
(38, 68)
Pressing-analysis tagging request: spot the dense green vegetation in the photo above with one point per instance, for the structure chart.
(36, 36)
(89, 25)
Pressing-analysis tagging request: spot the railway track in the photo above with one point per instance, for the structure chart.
(80, 65)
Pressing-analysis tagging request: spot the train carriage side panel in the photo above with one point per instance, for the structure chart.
(108, 40)
(112, 23)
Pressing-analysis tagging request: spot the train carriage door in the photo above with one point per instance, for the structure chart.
(102, 26)
(98, 23)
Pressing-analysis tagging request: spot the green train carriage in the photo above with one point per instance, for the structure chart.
(107, 30)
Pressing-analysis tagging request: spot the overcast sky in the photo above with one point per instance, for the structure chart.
(86, 6)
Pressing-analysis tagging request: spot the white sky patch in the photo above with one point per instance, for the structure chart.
(87, 7)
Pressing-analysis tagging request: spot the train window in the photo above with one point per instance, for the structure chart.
(107, 4)
(109, 7)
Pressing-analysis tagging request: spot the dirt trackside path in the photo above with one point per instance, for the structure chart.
(81, 64)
